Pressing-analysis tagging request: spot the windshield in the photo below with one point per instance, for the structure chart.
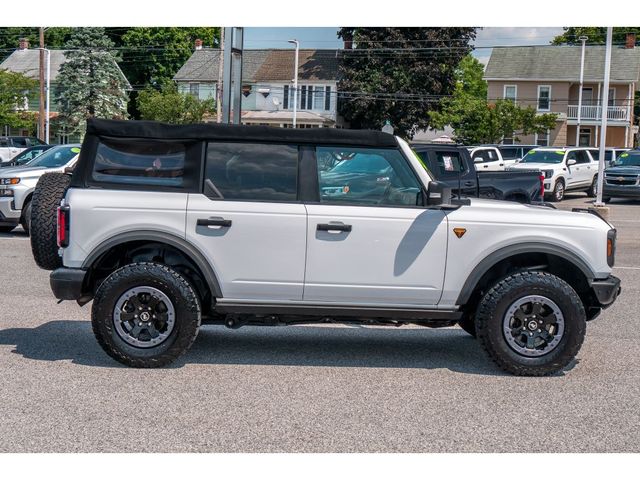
(628, 159)
(362, 163)
(28, 155)
(543, 156)
(55, 157)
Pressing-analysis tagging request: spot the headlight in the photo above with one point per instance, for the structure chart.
(548, 173)
(9, 181)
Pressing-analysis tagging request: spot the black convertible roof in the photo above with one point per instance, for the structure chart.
(245, 133)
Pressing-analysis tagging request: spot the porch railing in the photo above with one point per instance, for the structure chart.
(594, 112)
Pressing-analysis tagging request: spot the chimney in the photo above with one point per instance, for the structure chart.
(348, 42)
(631, 40)
(198, 43)
(24, 44)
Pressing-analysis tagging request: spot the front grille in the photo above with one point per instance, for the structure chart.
(621, 179)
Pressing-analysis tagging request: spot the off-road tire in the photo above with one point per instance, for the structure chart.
(47, 195)
(468, 323)
(25, 221)
(558, 192)
(493, 306)
(181, 293)
(593, 188)
(6, 228)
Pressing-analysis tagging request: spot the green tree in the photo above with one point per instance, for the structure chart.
(597, 35)
(398, 74)
(170, 106)
(54, 37)
(15, 90)
(90, 82)
(476, 121)
(152, 55)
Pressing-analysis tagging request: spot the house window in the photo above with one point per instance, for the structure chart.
(507, 140)
(510, 92)
(318, 97)
(285, 97)
(542, 139)
(194, 90)
(544, 98)
(327, 98)
(584, 140)
(303, 96)
(612, 97)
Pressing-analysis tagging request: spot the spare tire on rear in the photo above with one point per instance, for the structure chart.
(46, 199)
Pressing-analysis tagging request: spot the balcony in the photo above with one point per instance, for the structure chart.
(594, 112)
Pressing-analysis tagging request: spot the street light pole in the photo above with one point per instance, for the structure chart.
(583, 39)
(295, 83)
(603, 118)
(48, 89)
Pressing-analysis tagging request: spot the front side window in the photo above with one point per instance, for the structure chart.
(365, 176)
(544, 98)
(510, 153)
(449, 163)
(19, 142)
(139, 162)
(252, 171)
(582, 157)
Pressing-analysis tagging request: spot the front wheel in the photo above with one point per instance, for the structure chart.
(145, 315)
(25, 221)
(531, 323)
(558, 191)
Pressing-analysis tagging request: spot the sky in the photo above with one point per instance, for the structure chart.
(326, 37)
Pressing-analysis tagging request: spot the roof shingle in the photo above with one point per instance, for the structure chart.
(562, 63)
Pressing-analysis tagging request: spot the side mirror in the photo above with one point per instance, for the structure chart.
(438, 194)
(571, 162)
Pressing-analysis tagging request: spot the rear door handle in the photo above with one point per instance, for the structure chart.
(469, 183)
(213, 222)
(333, 227)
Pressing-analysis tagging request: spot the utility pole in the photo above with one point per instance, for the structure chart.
(603, 122)
(583, 39)
(220, 78)
(232, 78)
(295, 83)
(41, 111)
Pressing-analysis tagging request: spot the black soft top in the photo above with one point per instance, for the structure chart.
(245, 133)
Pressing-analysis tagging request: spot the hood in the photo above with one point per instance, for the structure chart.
(533, 166)
(622, 170)
(23, 172)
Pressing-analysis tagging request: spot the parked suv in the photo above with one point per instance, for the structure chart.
(623, 178)
(11, 146)
(564, 169)
(18, 183)
(165, 227)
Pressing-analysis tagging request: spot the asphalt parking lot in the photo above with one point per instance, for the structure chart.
(310, 389)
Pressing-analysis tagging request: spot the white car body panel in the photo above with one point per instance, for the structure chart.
(497, 165)
(261, 256)
(101, 214)
(392, 256)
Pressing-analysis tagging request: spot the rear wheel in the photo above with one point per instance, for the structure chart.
(531, 323)
(145, 315)
(593, 189)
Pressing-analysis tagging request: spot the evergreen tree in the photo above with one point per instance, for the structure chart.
(90, 84)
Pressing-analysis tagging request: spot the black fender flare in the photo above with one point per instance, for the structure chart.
(194, 254)
(528, 247)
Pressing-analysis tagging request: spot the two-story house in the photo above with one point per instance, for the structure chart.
(267, 85)
(548, 79)
(26, 60)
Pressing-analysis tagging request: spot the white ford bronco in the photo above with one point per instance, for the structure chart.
(167, 227)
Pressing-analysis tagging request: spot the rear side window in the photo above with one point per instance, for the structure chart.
(140, 162)
(19, 142)
(245, 171)
(449, 163)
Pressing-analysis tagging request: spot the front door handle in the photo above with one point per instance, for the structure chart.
(469, 183)
(213, 222)
(333, 227)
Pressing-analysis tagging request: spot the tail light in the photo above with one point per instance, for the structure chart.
(542, 187)
(611, 246)
(63, 226)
